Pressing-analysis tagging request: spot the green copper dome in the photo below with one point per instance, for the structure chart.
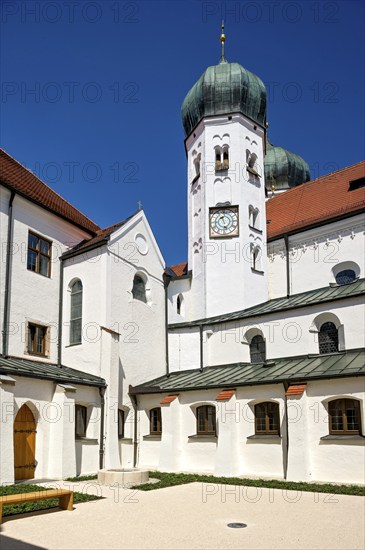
(223, 89)
(284, 169)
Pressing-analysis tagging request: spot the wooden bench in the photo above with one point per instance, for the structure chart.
(65, 498)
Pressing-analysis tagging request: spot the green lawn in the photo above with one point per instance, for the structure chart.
(39, 504)
(81, 478)
(169, 480)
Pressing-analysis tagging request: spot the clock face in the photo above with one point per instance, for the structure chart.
(224, 221)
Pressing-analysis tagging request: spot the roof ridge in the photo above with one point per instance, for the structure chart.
(46, 184)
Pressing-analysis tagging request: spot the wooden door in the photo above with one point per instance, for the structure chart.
(24, 444)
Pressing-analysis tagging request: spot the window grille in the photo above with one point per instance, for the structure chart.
(328, 338)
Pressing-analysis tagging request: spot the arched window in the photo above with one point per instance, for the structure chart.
(76, 313)
(225, 158)
(155, 421)
(121, 421)
(344, 417)
(345, 277)
(328, 338)
(218, 159)
(205, 420)
(180, 304)
(253, 217)
(267, 418)
(139, 289)
(255, 257)
(258, 349)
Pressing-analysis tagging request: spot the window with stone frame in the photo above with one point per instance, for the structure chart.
(267, 419)
(37, 339)
(328, 338)
(206, 420)
(344, 417)
(39, 255)
(155, 421)
(80, 420)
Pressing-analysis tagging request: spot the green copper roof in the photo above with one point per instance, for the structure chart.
(291, 369)
(223, 89)
(47, 371)
(304, 299)
(284, 169)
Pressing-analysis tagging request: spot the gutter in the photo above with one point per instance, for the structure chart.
(101, 442)
(60, 315)
(5, 340)
(166, 282)
(201, 348)
(286, 449)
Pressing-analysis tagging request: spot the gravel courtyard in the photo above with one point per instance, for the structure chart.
(192, 516)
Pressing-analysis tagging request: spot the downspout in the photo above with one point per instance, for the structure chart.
(286, 449)
(286, 242)
(60, 315)
(135, 430)
(201, 347)
(5, 334)
(101, 442)
(166, 281)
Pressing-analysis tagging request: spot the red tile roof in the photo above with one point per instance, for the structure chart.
(322, 199)
(16, 177)
(297, 389)
(168, 399)
(180, 269)
(102, 236)
(224, 395)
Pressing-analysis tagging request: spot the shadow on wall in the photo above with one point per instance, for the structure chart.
(8, 543)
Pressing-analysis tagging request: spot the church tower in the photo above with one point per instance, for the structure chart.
(224, 118)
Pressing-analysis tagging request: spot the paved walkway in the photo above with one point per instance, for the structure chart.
(190, 517)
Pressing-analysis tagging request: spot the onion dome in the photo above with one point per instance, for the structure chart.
(283, 169)
(223, 89)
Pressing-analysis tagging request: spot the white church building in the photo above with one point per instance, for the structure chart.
(246, 360)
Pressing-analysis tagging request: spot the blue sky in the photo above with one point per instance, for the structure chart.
(91, 93)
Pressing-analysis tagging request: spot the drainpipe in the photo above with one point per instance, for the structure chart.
(8, 277)
(135, 442)
(201, 347)
(286, 242)
(166, 282)
(60, 316)
(101, 442)
(286, 450)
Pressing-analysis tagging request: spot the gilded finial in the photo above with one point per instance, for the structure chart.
(222, 39)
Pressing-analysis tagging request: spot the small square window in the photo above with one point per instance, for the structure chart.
(80, 420)
(37, 335)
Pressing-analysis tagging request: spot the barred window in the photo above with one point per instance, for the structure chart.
(258, 349)
(80, 420)
(205, 420)
(76, 313)
(345, 277)
(39, 255)
(155, 421)
(139, 289)
(344, 417)
(267, 418)
(328, 338)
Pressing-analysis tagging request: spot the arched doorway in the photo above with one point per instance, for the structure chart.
(24, 444)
